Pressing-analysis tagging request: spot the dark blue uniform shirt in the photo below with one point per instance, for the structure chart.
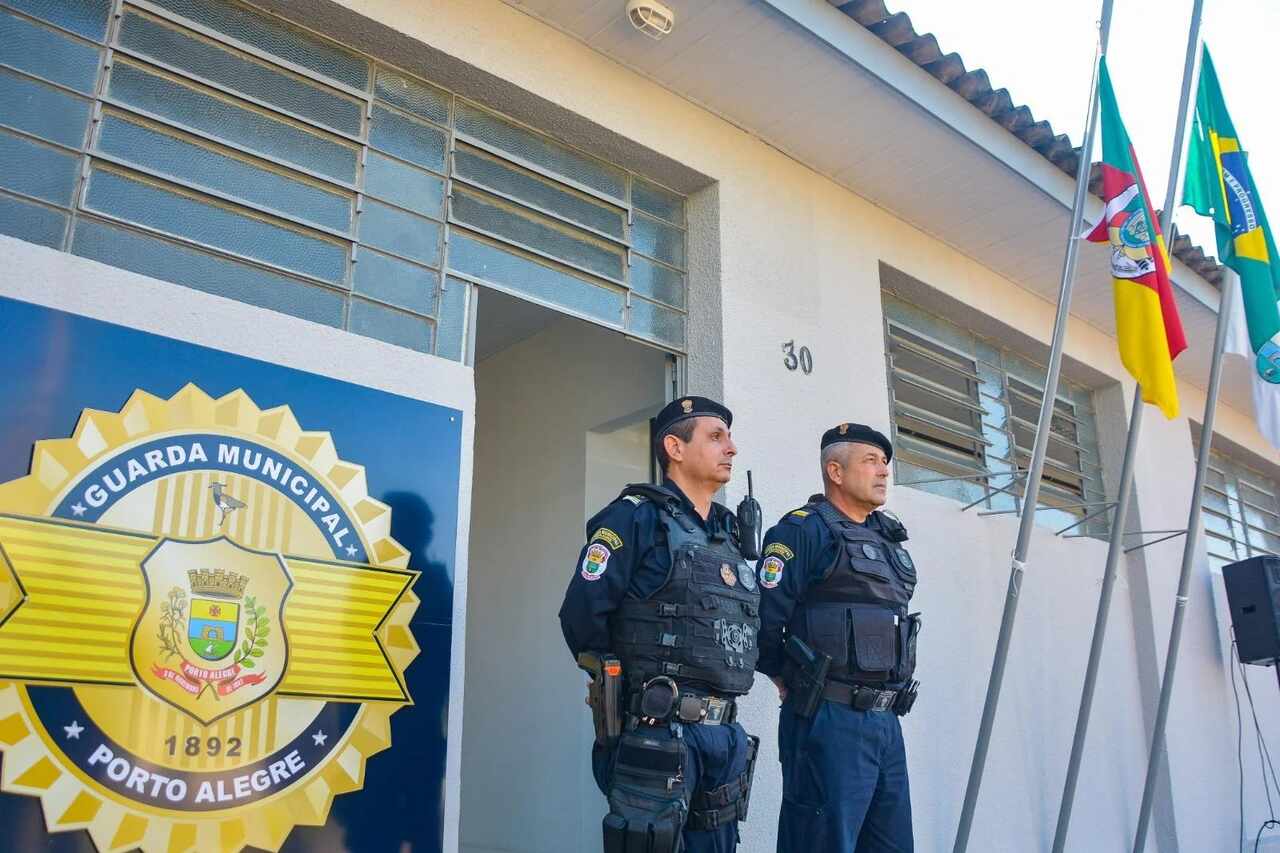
(625, 555)
(796, 552)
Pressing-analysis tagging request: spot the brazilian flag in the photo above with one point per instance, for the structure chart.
(1219, 185)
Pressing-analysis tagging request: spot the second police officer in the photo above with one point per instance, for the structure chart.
(837, 639)
(663, 611)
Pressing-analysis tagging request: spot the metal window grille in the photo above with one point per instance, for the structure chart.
(220, 147)
(1241, 512)
(964, 419)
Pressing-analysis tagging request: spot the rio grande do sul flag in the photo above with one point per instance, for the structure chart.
(1147, 323)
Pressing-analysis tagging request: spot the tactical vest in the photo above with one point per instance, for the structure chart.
(701, 626)
(857, 611)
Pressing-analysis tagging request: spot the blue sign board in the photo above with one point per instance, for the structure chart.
(226, 598)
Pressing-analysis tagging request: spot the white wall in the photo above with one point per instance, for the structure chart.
(542, 470)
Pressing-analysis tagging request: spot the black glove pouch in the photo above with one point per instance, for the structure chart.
(648, 795)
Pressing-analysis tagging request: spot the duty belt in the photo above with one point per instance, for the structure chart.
(859, 697)
(690, 707)
(708, 710)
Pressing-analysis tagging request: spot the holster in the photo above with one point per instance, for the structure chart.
(604, 695)
(719, 806)
(807, 675)
(648, 795)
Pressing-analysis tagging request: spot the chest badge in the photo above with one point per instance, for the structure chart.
(747, 574)
(727, 575)
(871, 551)
(905, 558)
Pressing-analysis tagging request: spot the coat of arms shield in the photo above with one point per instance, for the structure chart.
(211, 639)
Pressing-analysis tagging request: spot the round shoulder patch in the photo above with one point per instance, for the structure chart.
(771, 572)
(595, 561)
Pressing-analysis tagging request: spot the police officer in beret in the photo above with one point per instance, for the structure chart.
(838, 641)
(663, 611)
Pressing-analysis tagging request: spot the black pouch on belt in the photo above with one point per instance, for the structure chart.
(648, 796)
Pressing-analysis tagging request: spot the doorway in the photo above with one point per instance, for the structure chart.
(562, 424)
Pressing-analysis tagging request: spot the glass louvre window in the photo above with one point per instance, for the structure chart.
(964, 420)
(227, 150)
(1241, 512)
(1064, 458)
(936, 406)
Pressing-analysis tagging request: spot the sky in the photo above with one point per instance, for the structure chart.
(1042, 52)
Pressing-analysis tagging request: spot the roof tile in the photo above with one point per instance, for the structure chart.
(975, 87)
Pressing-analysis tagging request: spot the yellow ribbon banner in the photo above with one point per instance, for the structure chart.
(71, 594)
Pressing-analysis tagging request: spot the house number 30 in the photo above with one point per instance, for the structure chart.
(800, 358)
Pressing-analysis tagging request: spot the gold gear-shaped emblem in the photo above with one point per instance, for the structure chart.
(204, 625)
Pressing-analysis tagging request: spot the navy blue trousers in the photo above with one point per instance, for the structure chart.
(716, 755)
(844, 782)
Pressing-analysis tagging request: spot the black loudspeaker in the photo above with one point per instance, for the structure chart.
(1253, 590)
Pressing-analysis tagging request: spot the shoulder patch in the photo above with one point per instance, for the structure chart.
(779, 550)
(635, 499)
(595, 561)
(771, 571)
(608, 537)
(799, 513)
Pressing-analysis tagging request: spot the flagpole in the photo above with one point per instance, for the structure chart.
(1188, 557)
(1189, 552)
(1115, 545)
(1036, 470)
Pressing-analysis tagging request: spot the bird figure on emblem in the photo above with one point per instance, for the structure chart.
(224, 502)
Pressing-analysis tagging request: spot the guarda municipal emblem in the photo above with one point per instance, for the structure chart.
(204, 626)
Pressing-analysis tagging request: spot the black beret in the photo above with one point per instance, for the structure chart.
(684, 408)
(857, 432)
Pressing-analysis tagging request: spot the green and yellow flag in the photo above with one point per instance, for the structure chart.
(1219, 185)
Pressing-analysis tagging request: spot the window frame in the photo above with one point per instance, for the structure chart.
(999, 377)
(1234, 473)
(654, 319)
